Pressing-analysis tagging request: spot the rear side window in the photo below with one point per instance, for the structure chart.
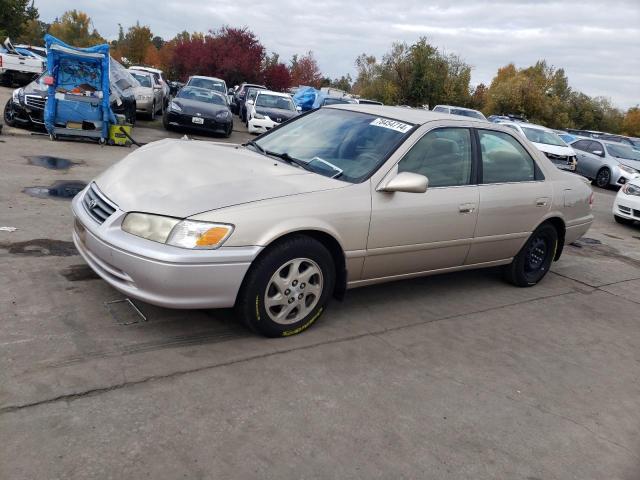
(595, 147)
(441, 109)
(505, 160)
(443, 156)
(581, 145)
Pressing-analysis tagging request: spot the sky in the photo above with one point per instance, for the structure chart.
(596, 42)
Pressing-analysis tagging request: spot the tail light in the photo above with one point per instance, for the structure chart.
(0, 61)
(591, 200)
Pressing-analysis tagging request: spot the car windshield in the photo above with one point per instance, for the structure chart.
(467, 113)
(201, 95)
(274, 101)
(542, 136)
(144, 80)
(622, 151)
(337, 143)
(207, 83)
(335, 100)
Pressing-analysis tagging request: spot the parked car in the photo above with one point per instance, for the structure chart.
(620, 139)
(566, 137)
(18, 67)
(211, 83)
(337, 101)
(626, 206)
(174, 86)
(237, 101)
(268, 110)
(606, 163)
(585, 133)
(365, 101)
(149, 95)
(250, 95)
(25, 108)
(166, 91)
(341, 197)
(548, 142)
(200, 109)
(467, 112)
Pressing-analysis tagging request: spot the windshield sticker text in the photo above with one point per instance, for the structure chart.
(391, 124)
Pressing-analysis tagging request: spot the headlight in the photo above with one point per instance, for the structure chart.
(223, 115)
(630, 170)
(631, 189)
(18, 95)
(179, 233)
(152, 227)
(175, 107)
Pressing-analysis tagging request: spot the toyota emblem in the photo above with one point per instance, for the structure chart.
(92, 203)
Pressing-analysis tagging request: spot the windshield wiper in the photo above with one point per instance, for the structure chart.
(255, 145)
(290, 160)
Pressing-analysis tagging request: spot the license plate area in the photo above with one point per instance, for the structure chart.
(197, 120)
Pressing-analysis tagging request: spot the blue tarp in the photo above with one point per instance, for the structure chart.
(83, 72)
(308, 98)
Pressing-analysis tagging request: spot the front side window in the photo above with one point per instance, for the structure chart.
(504, 159)
(346, 145)
(596, 147)
(443, 156)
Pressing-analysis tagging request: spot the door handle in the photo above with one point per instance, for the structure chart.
(542, 202)
(466, 208)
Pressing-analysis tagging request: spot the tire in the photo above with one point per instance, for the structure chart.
(287, 288)
(165, 123)
(603, 178)
(152, 115)
(622, 220)
(533, 261)
(9, 114)
(7, 80)
(228, 132)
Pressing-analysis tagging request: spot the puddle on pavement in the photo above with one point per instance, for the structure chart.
(586, 241)
(590, 247)
(78, 273)
(52, 163)
(41, 247)
(60, 189)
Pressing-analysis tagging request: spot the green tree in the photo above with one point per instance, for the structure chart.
(76, 28)
(33, 32)
(136, 43)
(631, 122)
(14, 14)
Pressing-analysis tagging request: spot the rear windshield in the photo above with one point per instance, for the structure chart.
(208, 83)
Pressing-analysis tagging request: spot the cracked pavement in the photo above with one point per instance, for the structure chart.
(451, 377)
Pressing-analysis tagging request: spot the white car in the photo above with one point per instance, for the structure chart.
(548, 142)
(268, 110)
(15, 66)
(166, 91)
(465, 112)
(626, 207)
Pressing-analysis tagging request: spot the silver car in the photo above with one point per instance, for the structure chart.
(606, 163)
(149, 95)
(342, 197)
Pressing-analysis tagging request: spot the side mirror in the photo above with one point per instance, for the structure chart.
(249, 102)
(598, 152)
(408, 182)
(230, 91)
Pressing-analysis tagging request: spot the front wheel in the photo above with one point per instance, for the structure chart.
(603, 178)
(10, 114)
(534, 259)
(287, 288)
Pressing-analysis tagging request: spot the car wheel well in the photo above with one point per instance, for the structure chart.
(330, 244)
(561, 229)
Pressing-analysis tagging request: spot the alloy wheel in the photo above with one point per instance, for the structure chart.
(603, 178)
(293, 291)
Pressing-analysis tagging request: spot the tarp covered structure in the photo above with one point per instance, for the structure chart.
(79, 93)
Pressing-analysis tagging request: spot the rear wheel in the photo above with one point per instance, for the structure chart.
(534, 259)
(603, 178)
(287, 288)
(152, 115)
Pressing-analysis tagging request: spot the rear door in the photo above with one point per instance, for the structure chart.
(592, 159)
(514, 197)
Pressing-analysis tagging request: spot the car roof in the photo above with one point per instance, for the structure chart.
(277, 94)
(416, 116)
(146, 69)
(206, 78)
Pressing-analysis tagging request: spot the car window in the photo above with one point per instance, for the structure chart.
(467, 113)
(581, 145)
(210, 84)
(537, 135)
(595, 147)
(144, 80)
(443, 156)
(274, 101)
(504, 159)
(338, 143)
(622, 151)
(441, 109)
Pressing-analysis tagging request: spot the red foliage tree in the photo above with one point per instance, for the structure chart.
(305, 71)
(275, 74)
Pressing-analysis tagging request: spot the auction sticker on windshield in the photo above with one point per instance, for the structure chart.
(391, 124)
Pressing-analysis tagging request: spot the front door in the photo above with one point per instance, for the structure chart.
(419, 232)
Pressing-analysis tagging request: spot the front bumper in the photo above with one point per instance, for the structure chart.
(627, 206)
(619, 177)
(261, 125)
(182, 120)
(26, 114)
(144, 106)
(155, 273)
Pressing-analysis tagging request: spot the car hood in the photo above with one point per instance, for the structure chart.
(555, 149)
(275, 113)
(181, 178)
(194, 107)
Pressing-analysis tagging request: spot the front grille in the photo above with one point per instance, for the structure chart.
(97, 205)
(35, 101)
(636, 213)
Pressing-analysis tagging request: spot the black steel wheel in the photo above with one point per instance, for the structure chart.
(534, 259)
(9, 114)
